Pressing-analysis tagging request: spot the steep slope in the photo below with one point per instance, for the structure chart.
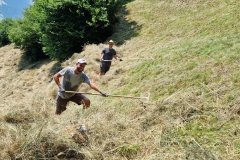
(193, 112)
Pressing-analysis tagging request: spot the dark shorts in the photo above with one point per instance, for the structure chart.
(104, 67)
(61, 104)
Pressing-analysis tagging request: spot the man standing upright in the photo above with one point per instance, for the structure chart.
(106, 57)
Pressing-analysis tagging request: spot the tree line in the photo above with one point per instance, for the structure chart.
(59, 28)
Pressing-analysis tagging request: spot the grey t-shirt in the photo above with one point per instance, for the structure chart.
(71, 81)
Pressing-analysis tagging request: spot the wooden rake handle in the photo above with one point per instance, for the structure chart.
(132, 59)
(148, 97)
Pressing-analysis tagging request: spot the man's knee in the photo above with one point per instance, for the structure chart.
(86, 103)
(59, 110)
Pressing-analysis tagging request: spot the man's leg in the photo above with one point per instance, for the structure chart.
(81, 99)
(60, 105)
(102, 73)
(102, 69)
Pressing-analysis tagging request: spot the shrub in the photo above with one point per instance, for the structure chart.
(4, 25)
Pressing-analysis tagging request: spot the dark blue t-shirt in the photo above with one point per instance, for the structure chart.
(108, 53)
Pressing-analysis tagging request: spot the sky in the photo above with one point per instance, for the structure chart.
(2, 2)
(13, 8)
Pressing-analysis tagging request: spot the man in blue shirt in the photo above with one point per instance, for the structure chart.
(73, 77)
(106, 57)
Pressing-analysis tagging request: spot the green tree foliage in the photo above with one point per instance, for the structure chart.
(4, 25)
(72, 23)
(26, 33)
(59, 28)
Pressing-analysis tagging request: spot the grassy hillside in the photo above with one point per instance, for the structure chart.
(194, 81)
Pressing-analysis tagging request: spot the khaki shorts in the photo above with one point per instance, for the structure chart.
(61, 104)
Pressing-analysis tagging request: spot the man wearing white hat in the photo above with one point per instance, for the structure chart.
(106, 57)
(73, 77)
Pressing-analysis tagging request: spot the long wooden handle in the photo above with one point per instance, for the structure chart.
(132, 59)
(111, 95)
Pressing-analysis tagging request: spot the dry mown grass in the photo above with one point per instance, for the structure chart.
(193, 111)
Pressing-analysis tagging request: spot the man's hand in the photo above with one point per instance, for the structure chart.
(103, 94)
(120, 59)
(60, 89)
(101, 60)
